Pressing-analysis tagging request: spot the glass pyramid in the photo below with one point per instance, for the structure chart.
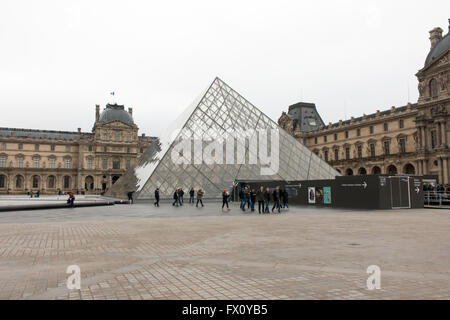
(217, 123)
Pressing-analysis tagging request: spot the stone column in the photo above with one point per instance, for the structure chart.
(444, 133)
(419, 136)
(425, 142)
(438, 136)
(445, 170)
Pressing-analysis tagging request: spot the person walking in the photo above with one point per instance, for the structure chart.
(130, 197)
(191, 195)
(247, 197)
(252, 199)
(267, 200)
(285, 197)
(71, 200)
(175, 198)
(276, 198)
(260, 199)
(200, 194)
(156, 197)
(242, 199)
(225, 196)
(180, 196)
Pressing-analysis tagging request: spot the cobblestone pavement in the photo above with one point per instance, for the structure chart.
(141, 252)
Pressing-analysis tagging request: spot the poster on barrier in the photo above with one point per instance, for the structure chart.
(327, 195)
(311, 195)
(319, 195)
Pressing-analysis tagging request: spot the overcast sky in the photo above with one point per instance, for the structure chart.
(60, 58)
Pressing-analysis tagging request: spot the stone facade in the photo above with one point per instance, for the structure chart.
(82, 162)
(412, 139)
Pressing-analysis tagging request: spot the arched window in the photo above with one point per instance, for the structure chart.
(66, 182)
(35, 182)
(391, 169)
(376, 170)
(433, 88)
(51, 182)
(2, 181)
(349, 172)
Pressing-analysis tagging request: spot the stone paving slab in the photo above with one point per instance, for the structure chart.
(141, 252)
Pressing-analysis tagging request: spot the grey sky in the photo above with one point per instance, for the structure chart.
(60, 58)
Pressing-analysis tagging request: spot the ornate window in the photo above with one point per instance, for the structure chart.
(51, 182)
(433, 88)
(372, 150)
(359, 149)
(52, 147)
(335, 136)
(116, 164)
(401, 123)
(346, 134)
(36, 147)
(386, 145)
(35, 162)
(2, 161)
(325, 155)
(89, 163)
(67, 163)
(402, 145)
(2, 181)
(336, 154)
(433, 139)
(20, 146)
(35, 182)
(347, 153)
(358, 132)
(324, 138)
(371, 129)
(105, 164)
(3, 145)
(19, 162)
(385, 126)
(66, 181)
(51, 163)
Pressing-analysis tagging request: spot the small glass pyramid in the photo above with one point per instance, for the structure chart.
(219, 139)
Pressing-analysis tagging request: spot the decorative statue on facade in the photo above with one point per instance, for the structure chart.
(421, 86)
(286, 122)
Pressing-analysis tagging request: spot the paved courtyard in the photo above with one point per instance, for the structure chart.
(141, 252)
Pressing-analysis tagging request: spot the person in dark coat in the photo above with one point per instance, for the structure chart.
(247, 196)
(71, 200)
(276, 195)
(242, 199)
(267, 200)
(156, 197)
(175, 198)
(225, 196)
(130, 197)
(252, 199)
(180, 196)
(260, 199)
(285, 198)
(191, 195)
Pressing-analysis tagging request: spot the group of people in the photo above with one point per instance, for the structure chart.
(439, 187)
(248, 197)
(178, 197)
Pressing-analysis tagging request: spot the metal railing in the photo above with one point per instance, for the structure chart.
(436, 197)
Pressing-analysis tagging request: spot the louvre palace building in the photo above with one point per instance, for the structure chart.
(411, 139)
(60, 161)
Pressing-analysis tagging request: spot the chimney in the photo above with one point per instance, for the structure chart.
(79, 130)
(97, 112)
(130, 111)
(435, 36)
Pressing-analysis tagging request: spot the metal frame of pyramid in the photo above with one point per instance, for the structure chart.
(218, 110)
